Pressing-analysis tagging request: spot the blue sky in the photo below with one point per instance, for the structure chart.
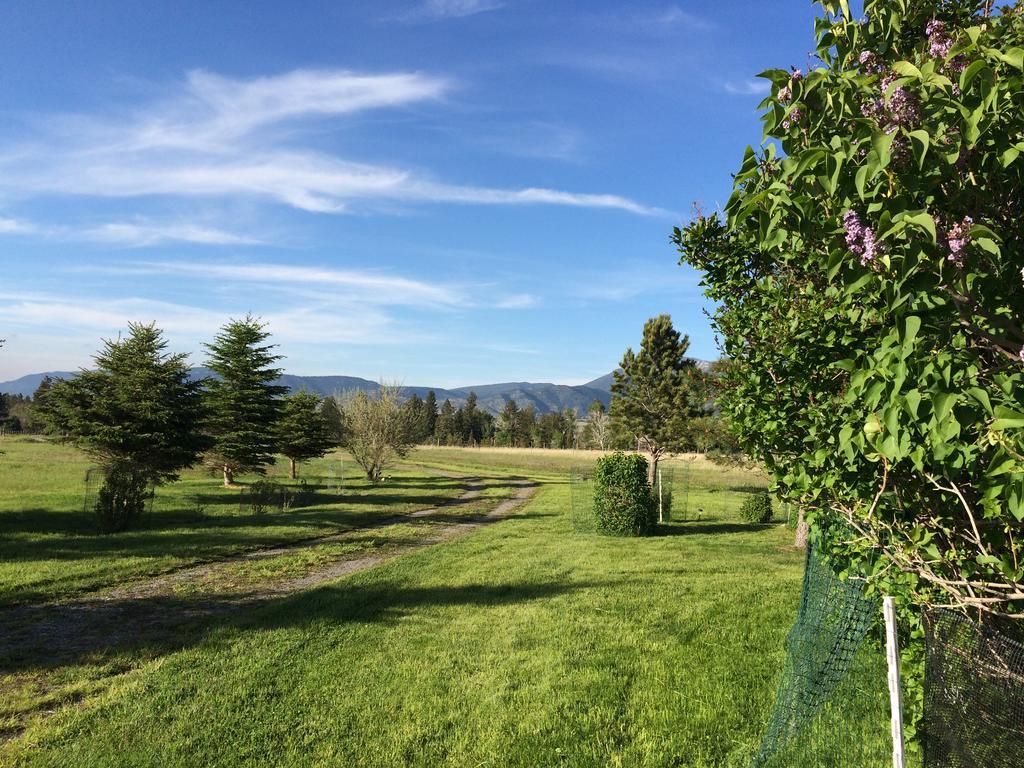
(440, 192)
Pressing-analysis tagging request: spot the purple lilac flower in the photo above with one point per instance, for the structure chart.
(1021, 354)
(862, 241)
(868, 62)
(797, 75)
(904, 109)
(785, 93)
(795, 116)
(871, 247)
(957, 239)
(939, 41)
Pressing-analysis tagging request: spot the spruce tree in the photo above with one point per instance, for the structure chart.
(445, 429)
(657, 391)
(138, 414)
(430, 410)
(303, 432)
(335, 420)
(243, 401)
(508, 424)
(472, 423)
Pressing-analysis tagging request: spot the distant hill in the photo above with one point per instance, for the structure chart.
(545, 398)
(27, 385)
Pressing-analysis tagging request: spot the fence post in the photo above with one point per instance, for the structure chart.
(661, 510)
(892, 657)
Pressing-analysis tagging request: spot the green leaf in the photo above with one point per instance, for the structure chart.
(1007, 418)
(972, 71)
(910, 328)
(860, 179)
(906, 69)
(921, 143)
(922, 220)
(1014, 57)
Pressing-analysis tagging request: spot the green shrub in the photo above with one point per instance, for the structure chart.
(623, 502)
(757, 508)
(123, 497)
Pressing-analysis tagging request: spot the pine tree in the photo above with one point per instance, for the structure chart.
(303, 431)
(472, 422)
(138, 413)
(509, 425)
(430, 411)
(335, 420)
(445, 429)
(243, 401)
(657, 391)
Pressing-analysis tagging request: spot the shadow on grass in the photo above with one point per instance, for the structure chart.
(708, 527)
(44, 637)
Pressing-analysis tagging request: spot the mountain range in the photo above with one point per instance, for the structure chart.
(545, 398)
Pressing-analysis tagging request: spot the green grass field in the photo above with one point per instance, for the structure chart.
(523, 643)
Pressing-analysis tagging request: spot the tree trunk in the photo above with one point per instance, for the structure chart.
(652, 468)
(802, 531)
(291, 468)
(229, 477)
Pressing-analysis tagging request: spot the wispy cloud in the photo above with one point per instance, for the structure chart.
(518, 301)
(676, 16)
(435, 10)
(15, 227)
(191, 325)
(139, 235)
(748, 87)
(222, 137)
(355, 287)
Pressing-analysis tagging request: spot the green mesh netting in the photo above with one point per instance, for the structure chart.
(830, 705)
(973, 693)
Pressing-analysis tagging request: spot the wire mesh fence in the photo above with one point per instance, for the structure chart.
(973, 693)
(268, 495)
(117, 498)
(713, 493)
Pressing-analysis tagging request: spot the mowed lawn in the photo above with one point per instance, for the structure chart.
(50, 546)
(525, 643)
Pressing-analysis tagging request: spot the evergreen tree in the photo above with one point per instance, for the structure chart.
(527, 430)
(335, 420)
(138, 413)
(243, 401)
(508, 425)
(472, 421)
(430, 414)
(416, 411)
(657, 391)
(303, 431)
(445, 428)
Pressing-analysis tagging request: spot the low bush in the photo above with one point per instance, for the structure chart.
(757, 508)
(623, 502)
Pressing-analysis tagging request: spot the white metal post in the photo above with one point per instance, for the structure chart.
(892, 657)
(661, 510)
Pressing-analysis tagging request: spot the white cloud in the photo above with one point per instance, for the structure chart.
(433, 10)
(674, 15)
(358, 288)
(222, 138)
(144, 234)
(518, 301)
(748, 88)
(15, 227)
(191, 325)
